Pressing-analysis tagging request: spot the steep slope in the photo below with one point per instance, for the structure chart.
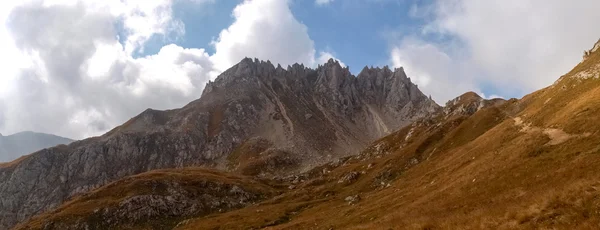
(275, 121)
(18, 144)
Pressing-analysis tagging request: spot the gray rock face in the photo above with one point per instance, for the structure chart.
(316, 114)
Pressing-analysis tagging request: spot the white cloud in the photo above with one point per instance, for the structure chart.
(517, 46)
(11, 58)
(493, 96)
(432, 69)
(323, 2)
(144, 19)
(325, 56)
(267, 30)
(78, 80)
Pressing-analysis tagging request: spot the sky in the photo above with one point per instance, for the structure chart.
(80, 68)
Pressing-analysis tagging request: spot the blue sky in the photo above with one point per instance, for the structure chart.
(83, 72)
(354, 30)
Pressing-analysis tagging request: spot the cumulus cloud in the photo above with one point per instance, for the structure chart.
(517, 46)
(10, 57)
(434, 71)
(80, 78)
(77, 68)
(144, 19)
(325, 56)
(265, 29)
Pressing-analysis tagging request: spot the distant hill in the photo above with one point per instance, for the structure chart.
(18, 144)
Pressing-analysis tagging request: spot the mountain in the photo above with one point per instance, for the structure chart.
(255, 119)
(528, 163)
(18, 144)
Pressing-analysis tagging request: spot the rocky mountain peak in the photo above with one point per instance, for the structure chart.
(469, 103)
(332, 76)
(383, 86)
(595, 48)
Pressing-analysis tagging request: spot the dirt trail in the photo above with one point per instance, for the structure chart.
(557, 136)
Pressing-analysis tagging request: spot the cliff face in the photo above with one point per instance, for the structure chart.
(301, 116)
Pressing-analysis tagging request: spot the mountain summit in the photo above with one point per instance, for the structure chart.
(15, 145)
(255, 118)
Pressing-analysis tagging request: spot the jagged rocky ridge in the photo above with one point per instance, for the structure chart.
(306, 117)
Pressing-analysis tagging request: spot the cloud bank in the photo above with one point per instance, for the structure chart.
(505, 47)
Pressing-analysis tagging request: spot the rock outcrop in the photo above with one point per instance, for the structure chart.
(155, 200)
(469, 103)
(595, 48)
(308, 117)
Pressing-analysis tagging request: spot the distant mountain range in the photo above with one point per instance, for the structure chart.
(18, 144)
